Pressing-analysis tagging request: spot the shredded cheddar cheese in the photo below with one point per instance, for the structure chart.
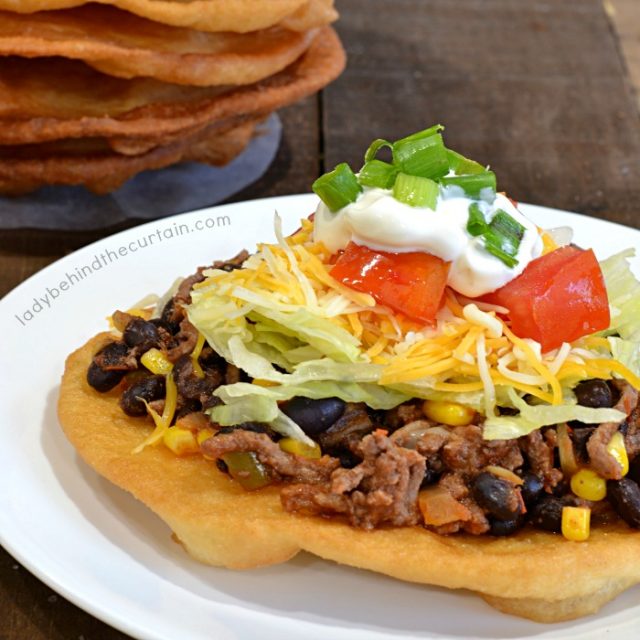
(469, 349)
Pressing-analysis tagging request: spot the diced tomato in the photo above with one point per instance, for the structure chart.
(412, 283)
(559, 297)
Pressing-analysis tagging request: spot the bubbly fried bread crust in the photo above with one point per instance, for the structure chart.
(127, 46)
(92, 164)
(533, 574)
(46, 99)
(240, 16)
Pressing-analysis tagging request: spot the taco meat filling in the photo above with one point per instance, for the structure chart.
(379, 468)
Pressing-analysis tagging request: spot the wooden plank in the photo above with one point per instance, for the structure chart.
(519, 86)
(625, 15)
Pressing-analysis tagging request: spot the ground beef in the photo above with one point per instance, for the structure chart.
(382, 489)
(467, 452)
(476, 522)
(601, 460)
(183, 294)
(183, 342)
(285, 465)
(632, 437)
(190, 386)
(403, 414)
(539, 451)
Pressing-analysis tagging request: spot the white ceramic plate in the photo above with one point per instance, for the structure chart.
(107, 553)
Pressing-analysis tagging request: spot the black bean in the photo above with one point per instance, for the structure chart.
(142, 334)
(314, 416)
(634, 469)
(547, 514)
(150, 389)
(159, 323)
(505, 527)
(499, 497)
(531, 488)
(624, 496)
(171, 316)
(580, 436)
(430, 476)
(102, 380)
(594, 393)
(113, 356)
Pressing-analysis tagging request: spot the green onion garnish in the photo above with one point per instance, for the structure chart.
(476, 224)
(508, 228)
(472, 184)
(461, 165)
(338, 188)
(425, 157)
(502, 236)
(425, 133)
(492, 245)
(376, 173)
(416, 191)
(374, 147)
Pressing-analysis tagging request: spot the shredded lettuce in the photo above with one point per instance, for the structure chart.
(627, 352)
(374, 395)
(542, 415)
(258, 409)
(623, 290)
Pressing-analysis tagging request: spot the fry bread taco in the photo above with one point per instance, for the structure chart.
(419, 382)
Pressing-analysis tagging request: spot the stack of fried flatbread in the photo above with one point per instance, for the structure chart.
(91, 94)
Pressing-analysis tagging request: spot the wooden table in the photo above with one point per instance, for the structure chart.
(538, 90)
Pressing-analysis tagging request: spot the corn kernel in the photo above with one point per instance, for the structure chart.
(449, 413)
(618, 451)
(291, 445)
(548, 243)
(181, 441)
(575, 523)
(156, 362)
(589, 485)
(204, 434)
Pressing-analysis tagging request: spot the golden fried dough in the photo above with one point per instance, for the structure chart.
(240, 16)
(534, 574)
(91, 163)
(124, 45)
(52, 98)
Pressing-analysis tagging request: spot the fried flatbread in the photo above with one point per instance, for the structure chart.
(533, 574)
(93, 164)
(52, 98)
(240, 16)
(121, 44)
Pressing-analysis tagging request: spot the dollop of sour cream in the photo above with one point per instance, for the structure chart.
(378, 221)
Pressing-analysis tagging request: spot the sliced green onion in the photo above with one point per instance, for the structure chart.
(376, 173)
(425, 133)
(338, 188)
(492, 245)
(503, 237)
(416, 191)
(424, 157)
(472, 184)
(508, 227)
(461, 165)
(374, 147)
(476, 224)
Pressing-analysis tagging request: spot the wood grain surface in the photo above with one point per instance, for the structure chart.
(539, 90)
